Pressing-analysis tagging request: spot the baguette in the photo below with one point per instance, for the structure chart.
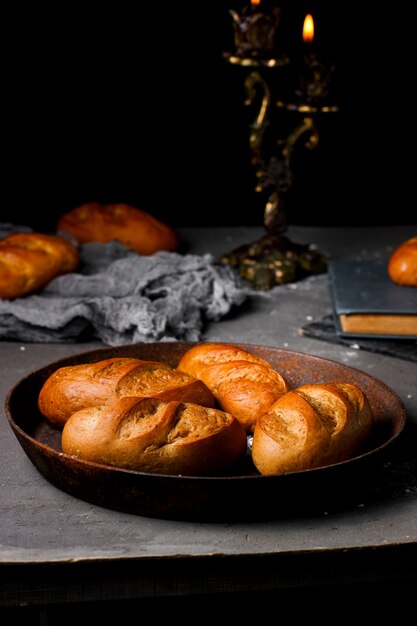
(402, 264)
(312, 426)
(150, 435)
(29, 261)
(74, 387)
(243, 384)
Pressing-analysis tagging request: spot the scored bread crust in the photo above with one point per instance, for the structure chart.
(312, 426)
(159, 380)
(74, 387)
(149, 416)
(243, 384)
(197, 358)
(152, 435)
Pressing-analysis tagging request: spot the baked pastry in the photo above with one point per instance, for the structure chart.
(150, 435)
(243, 384)
(312, 426)
(134, 228)
(29, 261)
(200, 356)
(74, 387)
(402, 264)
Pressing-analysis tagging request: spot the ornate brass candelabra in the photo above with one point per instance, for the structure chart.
(274, 258)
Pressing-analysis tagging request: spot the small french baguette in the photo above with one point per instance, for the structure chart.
(243, 384)
(150, 435)
(312, 426)
(29, 261)
(200, 356)
(76, 387)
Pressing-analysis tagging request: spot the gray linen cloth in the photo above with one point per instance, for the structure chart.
(121, 297)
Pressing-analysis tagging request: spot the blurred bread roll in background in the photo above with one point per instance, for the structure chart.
(402, 264)
(136, 229)
(29, 261)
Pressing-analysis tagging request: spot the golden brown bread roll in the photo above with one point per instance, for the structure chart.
(74, 387)
(242, 383)
(29, 261)
(150, 435)
(402, 264)
(312, 426)
(134, 228)
(200, 356)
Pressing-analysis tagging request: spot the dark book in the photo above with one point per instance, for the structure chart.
(367, 302)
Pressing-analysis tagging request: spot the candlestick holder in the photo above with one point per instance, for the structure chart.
(274, 258)
(254, 31)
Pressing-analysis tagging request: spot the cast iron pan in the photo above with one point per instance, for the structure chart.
(242, 494)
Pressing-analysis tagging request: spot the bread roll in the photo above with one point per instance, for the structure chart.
(150, 435)
(312, 426)
(242, 383)
(134, 228)
(202, 355)
(74, 387)
(402, 264)
(29, 261)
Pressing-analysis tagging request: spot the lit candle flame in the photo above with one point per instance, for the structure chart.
(255, 3)
(308, 29)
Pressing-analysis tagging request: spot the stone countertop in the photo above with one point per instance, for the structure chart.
(42, 527)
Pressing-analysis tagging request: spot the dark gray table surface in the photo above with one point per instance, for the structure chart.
(51, 542)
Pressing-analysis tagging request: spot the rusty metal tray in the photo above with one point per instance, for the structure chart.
(241, 495)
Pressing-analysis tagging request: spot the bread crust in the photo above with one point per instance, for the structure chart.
(133, 227)
(158, 380)
(242, 383)
(202, 355)
(151, 435)
(312, 426)
(402, 264)
(151, 417)
(29, 261)
(75, 387)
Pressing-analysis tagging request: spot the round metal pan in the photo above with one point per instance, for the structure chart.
(243, 494)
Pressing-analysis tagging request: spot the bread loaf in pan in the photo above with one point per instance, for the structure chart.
(312, 426)
(152, 417)
(151, 435)
(76, 387)
(242, 383)
(29, 261)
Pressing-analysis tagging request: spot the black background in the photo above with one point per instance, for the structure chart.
(136, 104)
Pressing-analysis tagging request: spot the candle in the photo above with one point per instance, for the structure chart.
(315, 79)
(308, 29)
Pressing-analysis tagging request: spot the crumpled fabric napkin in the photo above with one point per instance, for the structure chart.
(121, 297)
